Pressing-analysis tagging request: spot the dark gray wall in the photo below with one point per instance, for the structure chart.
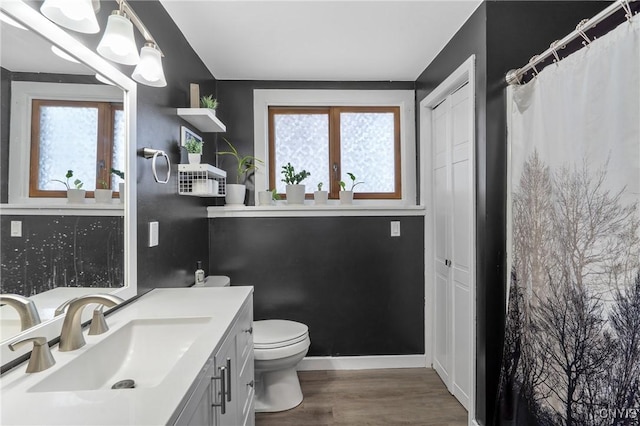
(503, 35)
(360, 291)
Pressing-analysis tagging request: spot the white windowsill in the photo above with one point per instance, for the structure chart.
(61, 207)
(311, 210)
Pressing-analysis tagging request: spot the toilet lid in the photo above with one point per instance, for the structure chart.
(269, 334)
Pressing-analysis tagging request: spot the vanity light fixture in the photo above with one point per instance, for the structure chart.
(149, 70)
(76, 15)
(118, 43)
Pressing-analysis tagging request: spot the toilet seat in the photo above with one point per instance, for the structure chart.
(274, 334)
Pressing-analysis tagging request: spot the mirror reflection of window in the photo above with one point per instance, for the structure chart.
(91, 146)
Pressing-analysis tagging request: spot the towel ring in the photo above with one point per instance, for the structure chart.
(153, 154)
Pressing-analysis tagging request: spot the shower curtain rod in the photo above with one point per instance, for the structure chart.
(514, 76)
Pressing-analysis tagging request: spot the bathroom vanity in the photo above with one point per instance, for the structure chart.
(188, 350)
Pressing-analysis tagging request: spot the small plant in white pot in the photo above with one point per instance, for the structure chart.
(268, 197)
(194, 149)
(75, 194)
(320, 196)
(346, 197)
(295, 190)
(235, 192)
(103, 195)
(120, 174)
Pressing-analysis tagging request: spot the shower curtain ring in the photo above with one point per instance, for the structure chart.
(627, 9)
(531, 62)
(580, 28)
(553, 47)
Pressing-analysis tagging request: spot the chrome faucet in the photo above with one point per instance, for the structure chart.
(25, 307)
(71, 337)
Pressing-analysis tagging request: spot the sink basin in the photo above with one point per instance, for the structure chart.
(142, 350)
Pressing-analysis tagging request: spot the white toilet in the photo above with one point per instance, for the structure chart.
(279, 346)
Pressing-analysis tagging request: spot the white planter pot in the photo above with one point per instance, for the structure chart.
(265, 198)
(346, 197)
(295, 194)
(121, 191)
(235, 194)
(103, 196)
(320, 197)
(194, 158)
(76, 196)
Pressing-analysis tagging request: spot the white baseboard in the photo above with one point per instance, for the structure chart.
(362, 362)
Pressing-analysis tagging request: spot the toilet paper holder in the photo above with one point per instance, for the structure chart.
(153, 154)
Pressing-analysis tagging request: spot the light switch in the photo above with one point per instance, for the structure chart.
(395, 228)
(154, 231)
(16, 228)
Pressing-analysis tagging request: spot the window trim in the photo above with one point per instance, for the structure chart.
(404, 99)
(22, 95)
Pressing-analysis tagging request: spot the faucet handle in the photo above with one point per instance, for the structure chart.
(98, 322)
(60, 309)
(41, 357)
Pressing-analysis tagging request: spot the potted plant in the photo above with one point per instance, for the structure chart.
(267, 197)
(346, 197)
(75, 194)
(103, 195)
(194, 149)
(120, 174)
(235, 192)
(209, 102)
(320, 196)
(295, 191)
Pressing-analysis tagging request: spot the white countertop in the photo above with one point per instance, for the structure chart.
(140, 406)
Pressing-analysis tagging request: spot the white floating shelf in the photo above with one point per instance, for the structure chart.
(204, 119)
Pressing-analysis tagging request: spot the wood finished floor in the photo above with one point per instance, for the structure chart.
(411, 396)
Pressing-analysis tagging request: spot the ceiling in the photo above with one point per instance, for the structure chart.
(346, 40)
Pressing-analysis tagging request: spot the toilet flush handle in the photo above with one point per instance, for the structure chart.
(248, 330)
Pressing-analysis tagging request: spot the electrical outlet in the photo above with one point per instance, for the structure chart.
(154, 231)
(395, 228)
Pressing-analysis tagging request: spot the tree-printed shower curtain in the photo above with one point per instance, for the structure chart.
(572, 343)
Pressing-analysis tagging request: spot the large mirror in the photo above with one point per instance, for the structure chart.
(54, 249)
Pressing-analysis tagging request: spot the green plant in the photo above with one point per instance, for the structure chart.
(291, 177)
(193, 145)
(76, 183)
(320, 186)
(353, 182)
(274, 194)
(246, 163)
(209, 102)
(103, 183)
(118, 173)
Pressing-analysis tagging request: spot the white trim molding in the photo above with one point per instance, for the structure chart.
(309, 210)
(362, 362)
(405, 99)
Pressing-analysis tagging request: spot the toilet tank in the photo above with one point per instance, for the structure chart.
(215, 281)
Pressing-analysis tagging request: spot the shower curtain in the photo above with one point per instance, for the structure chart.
(572, 341)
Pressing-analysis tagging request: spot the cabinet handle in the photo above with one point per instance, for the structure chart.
(229, 379)
(223, 384)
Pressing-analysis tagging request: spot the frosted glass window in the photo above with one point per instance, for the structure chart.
(117, 162)
(367, 149)
(332, 141)
(86, 137)
(303, 141)
(67, 147)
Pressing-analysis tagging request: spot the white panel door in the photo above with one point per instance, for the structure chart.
(441, 214)
(453, 199)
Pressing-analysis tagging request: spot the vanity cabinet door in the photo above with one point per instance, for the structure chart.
(227, 365)
(199, 410)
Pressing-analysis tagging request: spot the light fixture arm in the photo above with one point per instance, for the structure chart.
(135, 20)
